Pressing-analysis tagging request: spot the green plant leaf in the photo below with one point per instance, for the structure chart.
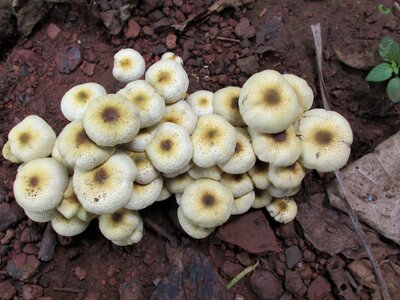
(380, 72)
(383, 10)
(389, 50)
(393, 89)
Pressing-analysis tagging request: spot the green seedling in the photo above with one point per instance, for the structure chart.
(383, 10)
(243, 273)
(389, 51)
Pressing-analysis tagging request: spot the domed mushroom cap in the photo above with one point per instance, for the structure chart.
(146, 173)
(243, 158)
(238, 184)
(177, 185)
(111, 120)
(164, 195)
(170, 148)
(148, 102)
(69, 205)
(144, 195)
(325, 137)
(119, 225)
(207, 203)
(212, 172)
(304, 93)
(181, 114)
(75, 100)
(280, 149)
(286, 177)
(78, 150)
(129, 65)
(6, 151)
(141, 140)
(31, 138)
(268, 103)
(180, 171)
(214, 141)
(68, 227)
(259, 174)
(55, 154)
(201, 102)
(243, 203)
(108, 187)
(41, 217)
(134, 238)
(193, 230)
(262, 198)
(85, 215)
(172, 56)
(40, 184)
(283, 210)
(281, 193)
(226, 104)
(169, 79)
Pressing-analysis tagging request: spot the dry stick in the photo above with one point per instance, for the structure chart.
(316, 30)
(221, 38)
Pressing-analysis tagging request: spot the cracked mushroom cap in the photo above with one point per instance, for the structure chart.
(69, 206)
(141, 140)
(31, 138)
(148, 102)
(108, 187)
(40, 184)
(259, 174)
(325, 137)
(193, 230)
(243, 203)
(111, 120)
(68, 227)
(146, 172)
(207, 203)
(170, 148)
(277, 192)
(268, 103)
(129, 65)
(286, 177)
(212, 172)
(78, 150)
(75, 101)
(238, 184)
(280, 149)
(181, 114)
(262, 198)
(172, 56)
(201, 102)
(6, 151)
(164, 195)
(304, 93)
(283, 210)
(119, 225)
(226, 104)
(41, 217)
(214, 141)
(177, 185)
(134, 238)
(144, 195)
(243, 158)
(169, 79)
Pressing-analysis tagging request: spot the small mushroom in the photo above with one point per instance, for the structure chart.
(172, 56)
(180, 171)
(69, 205)
(6, 151)
(144, 195)
(259, 174)
(55, 154)
(201, 102)
(119, 225)
(212, 172)
(286, 177)
(226, 104)
(141, 140)
(304, 93)
(84, 215)
(243, 203)
(164, 195)
(283, 210)
(181, 114)
(195, 231)
(281, 193)
(262, 198)
(134, 238)
(238, 184)
(146, 172)
(68, 227)
(41, 217)
(129, 65)
(178, 184)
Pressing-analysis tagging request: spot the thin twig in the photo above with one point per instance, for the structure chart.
(161, 231)
(242, 273)
(316, 30)
(227, 39)
(68, 290)
(263, 12)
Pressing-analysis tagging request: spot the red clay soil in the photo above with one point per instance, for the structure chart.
(72, 46)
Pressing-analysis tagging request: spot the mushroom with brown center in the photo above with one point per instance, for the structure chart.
(146, 172)
(259, 174)
(119, 225)
(172, 56)
(129, 65)
(226, 104)
(286, 177)
(201, 102)
(135, 237)
(192, 229)
(181, 114)
(238, 184)
(283, 210)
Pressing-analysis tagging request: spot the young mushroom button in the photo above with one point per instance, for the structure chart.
(129, 65)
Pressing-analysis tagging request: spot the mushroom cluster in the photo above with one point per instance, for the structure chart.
(220, 153)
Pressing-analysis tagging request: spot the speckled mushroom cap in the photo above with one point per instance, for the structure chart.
(129, 65)
(212, 172)
(182, 114)
(192, 229)
(111, 120)
(177, 185)
(40, 184)
(172, 56)
(261, 198)
(214, 141)
(243, 203)
(75, 100)
(146, 173)
(283, 210)
(206, 203)
(238, 184)
(259, 174)
(280, 149)
(144, 195)
(31, 138)
(170, 148)
(78, 150)
(134, 238)
(201, 102)
(286, 177)
(180, 171)
(304, 93)
(281, 193)
(108, 187)
(268, 103)
(6, 152)
(69, 205)
(41, 217)
(148, 102)
(141, 140)
(68, 227)
(325, 137)
(119, 225)
(226, 104)
(169, 79)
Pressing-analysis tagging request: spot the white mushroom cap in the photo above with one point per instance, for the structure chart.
(6, 151)
(108, 187)
(164, 195)
(119, 225)
(180, 171)
(141, 140)
(129, 65)
(243, 158)
(178, 184)
(214, 141)
(134, 238)
(178, 198)
(262, 198)
(304, 93)
(226, 104)
(146, 173)
(170, 148)
(172, 56)
(201, 102)
(55, 154)
(280, 149)
(40, 184)
(207, 203)
(259, 175)
(68, 227)
(286, 177)
(111, 120)
(283, 210)
(280, 193)
(69, 206)
(148, 102)
(192, 229)
(325, 137)
(41, 217)
(75, 100)
(85, 215)
(78, 150)
(212, 172)
(238, 184)
(181, 114)
(144, 195)
(169, 79)
(31, 138)
(268, 103)
(243, 203)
